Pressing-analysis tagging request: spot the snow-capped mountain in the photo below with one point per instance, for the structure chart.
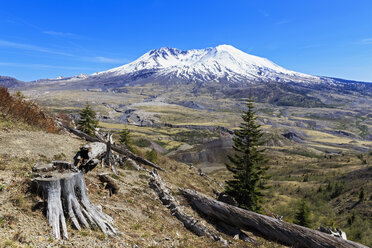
(223, 62)
(222, 69)
(222, 72)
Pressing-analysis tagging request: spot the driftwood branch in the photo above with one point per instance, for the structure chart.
(271, 228)
(157, 184)
(115, 148)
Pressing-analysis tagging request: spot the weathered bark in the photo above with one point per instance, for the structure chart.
(271, 228)
(87, 158)
(65, 192)
(115, 148)
(54, 165)
(108, 149)
(189, 222)
(109, 155)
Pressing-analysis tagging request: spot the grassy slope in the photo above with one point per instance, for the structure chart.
(137, 212)
(298, 170)
(328, 186)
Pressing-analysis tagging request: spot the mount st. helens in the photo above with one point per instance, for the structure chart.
(221, 71)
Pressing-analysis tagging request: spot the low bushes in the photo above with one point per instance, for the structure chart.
(19, 109)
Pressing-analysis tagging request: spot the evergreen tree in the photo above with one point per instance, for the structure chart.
(87, 122)
(248, 164)
(361, 194)
(126, 139)
(302, 216)
(152, 156)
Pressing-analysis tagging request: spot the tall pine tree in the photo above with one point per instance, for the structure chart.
(87, 122)
(248, 164)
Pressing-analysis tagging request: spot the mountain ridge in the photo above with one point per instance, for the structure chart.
(223, 61)
(223, 71)
(221, 64)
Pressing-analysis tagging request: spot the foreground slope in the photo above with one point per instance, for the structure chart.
(137, 212)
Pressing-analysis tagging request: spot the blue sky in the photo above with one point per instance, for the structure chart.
(47, 39)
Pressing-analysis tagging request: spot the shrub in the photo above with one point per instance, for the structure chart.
(126, 139)
(302, 216)
(361, 194)
(142, 142)
(152, 156)
(19, 109)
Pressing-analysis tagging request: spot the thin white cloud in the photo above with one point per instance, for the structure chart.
(107, 60)
(367, 41)
(42, 66)
(281, 22)
(57, 33)
(22, 46)
(264, 13)
(61, 34)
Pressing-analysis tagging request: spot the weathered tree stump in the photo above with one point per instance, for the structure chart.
(65, 192)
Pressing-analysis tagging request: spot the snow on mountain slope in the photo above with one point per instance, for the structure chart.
(221, 62)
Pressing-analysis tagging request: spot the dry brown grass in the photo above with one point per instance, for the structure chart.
(19, 109)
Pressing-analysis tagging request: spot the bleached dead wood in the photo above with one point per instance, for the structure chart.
(115, 148)
(135, 157)
(109, 160)
(65, 190)
(271, 228)
(157, 184)
(89, 155)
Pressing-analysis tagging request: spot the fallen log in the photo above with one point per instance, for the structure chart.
(64, 191)
(157, 184)
(115, 148)
(82, 134)
(271, 228)
(135, 165)
(136, 158)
